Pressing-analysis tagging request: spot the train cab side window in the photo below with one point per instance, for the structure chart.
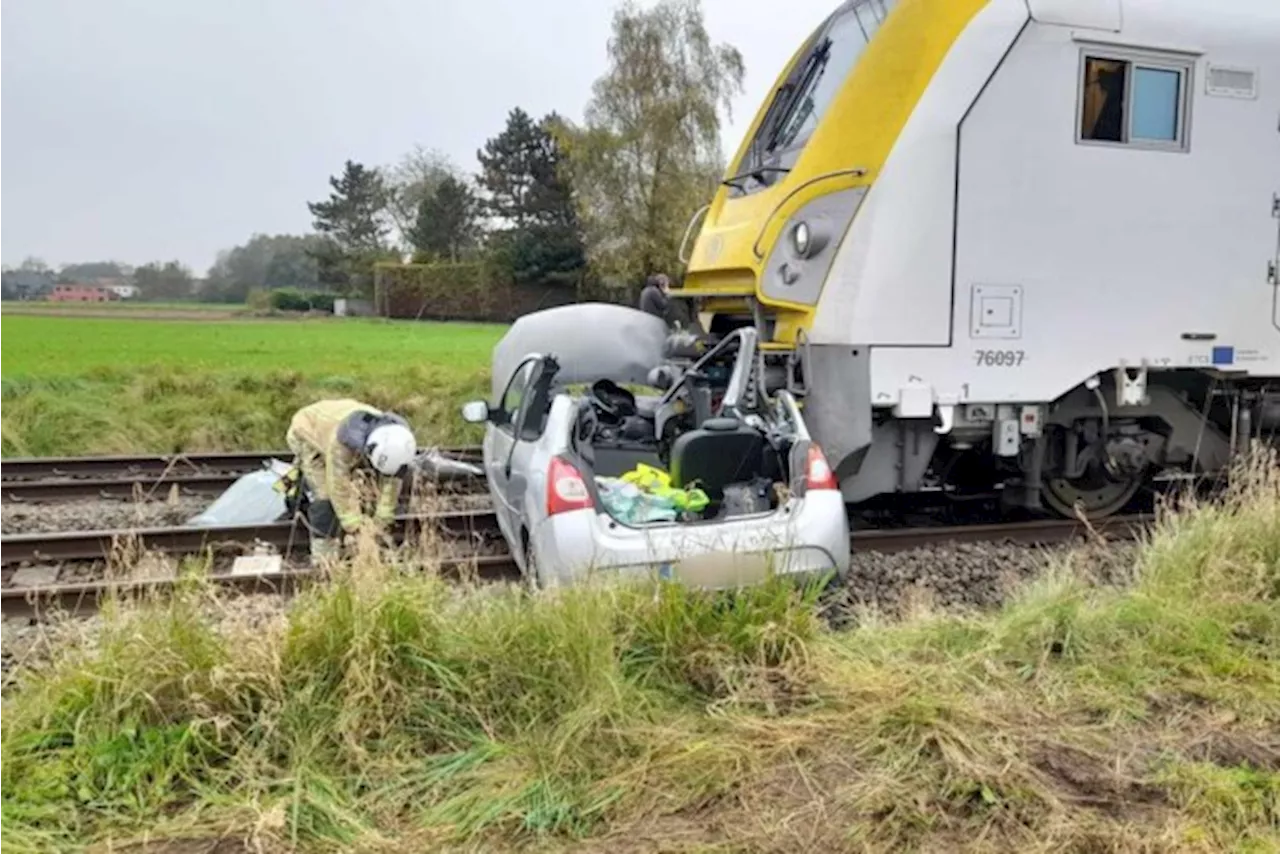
(1134, 102)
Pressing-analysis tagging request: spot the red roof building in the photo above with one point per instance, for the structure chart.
(82, 293)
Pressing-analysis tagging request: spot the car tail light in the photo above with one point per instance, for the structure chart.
(818, 473)
(566, 490)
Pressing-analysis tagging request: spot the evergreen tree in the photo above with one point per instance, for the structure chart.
(447, 225)
(353, 214)
(522, 172)
(352, 223)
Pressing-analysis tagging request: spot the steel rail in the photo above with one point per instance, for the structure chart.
(130, 488)
(29, 468)
(119, 489)
(1036, 533)
(288, 536)
(82, 596)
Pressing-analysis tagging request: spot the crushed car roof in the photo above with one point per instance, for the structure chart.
(591, 341)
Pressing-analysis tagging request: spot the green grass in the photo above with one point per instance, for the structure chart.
(57, 346)
(390, 713)
(90, 385)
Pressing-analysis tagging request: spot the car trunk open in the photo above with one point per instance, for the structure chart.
(741, 470)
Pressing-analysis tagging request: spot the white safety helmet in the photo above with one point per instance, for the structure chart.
(390, 447)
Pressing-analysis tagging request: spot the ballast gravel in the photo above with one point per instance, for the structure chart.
(98, 515)
(967, 576)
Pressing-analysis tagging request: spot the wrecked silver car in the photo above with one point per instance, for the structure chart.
(701, 478)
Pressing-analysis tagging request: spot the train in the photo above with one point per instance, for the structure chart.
(1022, 247)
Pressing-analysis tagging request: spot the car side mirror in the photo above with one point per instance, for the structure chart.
(475, 412)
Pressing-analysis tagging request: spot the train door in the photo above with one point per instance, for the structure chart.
(1273, 271)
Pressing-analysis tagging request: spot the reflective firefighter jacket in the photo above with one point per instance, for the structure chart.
(328, 439)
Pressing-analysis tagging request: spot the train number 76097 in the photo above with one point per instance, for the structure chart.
(998, 358)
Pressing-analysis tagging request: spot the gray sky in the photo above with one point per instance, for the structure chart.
(145, 130)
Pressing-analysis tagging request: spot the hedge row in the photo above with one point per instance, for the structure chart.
(466, 291)
(293, 299)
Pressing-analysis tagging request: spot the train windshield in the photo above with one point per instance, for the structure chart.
(800, 102)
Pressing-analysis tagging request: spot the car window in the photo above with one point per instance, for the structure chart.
(513, 397)
(537, 403)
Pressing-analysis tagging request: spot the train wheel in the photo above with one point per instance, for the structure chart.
(1093, 495)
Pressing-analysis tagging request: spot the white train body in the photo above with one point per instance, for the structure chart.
(992, 230)
(1077, 228)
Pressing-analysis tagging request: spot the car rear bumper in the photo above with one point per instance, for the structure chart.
(810, 536)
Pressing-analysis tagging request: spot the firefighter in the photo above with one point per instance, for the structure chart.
(348, 451)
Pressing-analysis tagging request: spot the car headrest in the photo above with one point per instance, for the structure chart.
(721, 425)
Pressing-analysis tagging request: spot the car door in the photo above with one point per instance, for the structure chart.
(527, 470)
(502, 439)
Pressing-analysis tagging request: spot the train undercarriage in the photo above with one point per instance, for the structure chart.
(1079, 456)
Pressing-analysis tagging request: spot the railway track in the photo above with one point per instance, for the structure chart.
(291, 541)
(48, 479)
(32, 468)
(288, 537)
(121, 488)
(1041, 532)
(84, 596)
(115, 488)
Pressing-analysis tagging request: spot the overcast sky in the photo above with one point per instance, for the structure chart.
(142, 130)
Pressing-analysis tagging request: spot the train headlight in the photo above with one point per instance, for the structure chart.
(801, 239)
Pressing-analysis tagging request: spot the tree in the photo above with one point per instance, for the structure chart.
(447, 224)
(170, 281)
(410, 181)
(524, 176)
(353, 215)
(353, 223)
(33, 278)
(508, 162)
(92, 270)
(648, 154)
(265, 262)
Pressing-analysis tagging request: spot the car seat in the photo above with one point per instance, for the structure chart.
(720, 452)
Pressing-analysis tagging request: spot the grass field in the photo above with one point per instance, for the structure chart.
(75, 385)
(123, 309)
(386, 713)
(20, 306)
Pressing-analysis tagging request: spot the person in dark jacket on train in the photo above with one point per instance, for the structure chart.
(654, 298)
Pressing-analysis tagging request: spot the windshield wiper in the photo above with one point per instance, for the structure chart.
(778, 116)
(781, 100)
(758, 173)
(817, 62)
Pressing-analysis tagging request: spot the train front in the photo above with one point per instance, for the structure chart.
(770, 249)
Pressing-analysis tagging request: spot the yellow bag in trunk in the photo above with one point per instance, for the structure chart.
(657, 482)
